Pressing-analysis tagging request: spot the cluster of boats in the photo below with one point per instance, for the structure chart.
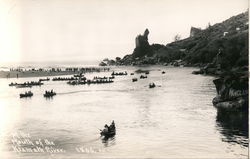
(103, 78)
(26, 84)
(79, 79)
(119, 73)
(151, 85)
(95, 81)
(67, 78)
(30, 94)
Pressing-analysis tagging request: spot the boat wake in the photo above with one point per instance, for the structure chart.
(64, 93)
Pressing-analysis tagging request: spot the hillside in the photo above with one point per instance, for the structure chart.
(227, 41)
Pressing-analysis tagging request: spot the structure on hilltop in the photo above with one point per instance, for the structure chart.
(194, 31)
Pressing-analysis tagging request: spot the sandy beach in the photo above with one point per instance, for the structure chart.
(17, 74)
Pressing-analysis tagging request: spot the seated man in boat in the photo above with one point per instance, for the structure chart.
(106, 128)
(112, 126)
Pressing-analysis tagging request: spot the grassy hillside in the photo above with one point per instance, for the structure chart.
(229, 39)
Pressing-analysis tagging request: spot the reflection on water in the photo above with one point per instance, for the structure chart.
(108, 141)
(233, 126)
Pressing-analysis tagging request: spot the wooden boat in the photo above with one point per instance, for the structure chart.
(142, 77)
(134, 79)
(44, 79)
(78, 75)
(151, 85)
(110, 132)
(119, 73)
(22, 86)
(12, 84)
(26, 94)
(49, 94)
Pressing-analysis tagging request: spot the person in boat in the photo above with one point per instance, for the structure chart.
(112, 126)
(106, 128)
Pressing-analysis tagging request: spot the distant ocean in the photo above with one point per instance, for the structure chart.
(46, 64)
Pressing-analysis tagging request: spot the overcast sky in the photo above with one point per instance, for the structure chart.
(79, 30)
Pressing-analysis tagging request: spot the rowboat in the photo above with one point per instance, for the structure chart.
(26, 94)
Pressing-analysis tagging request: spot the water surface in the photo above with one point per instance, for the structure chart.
(175, 119)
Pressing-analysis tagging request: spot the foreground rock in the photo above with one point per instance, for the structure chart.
(232, 92)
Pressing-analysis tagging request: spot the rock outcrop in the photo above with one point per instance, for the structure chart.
(232, 92)
(142, 46)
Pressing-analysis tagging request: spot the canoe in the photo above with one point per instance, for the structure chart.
(151, 85)
(26, 95)
(49, 94)
(108, 134)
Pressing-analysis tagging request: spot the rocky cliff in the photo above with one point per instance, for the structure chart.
(232, 91)
(142, 46)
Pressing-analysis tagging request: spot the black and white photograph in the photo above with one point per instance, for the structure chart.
(124, 79)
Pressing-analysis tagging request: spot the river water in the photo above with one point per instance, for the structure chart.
(176, 119)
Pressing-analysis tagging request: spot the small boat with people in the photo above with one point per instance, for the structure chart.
(13, 84)
(49, 93)
(26, 94)
(151, 85)
(23, 86)
(119, 73)
(134, 79)
(78, 75)
(44, 79)
(108, 131)
(64, 78)
(28, 84)
(142, 77)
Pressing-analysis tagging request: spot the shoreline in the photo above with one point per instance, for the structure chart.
(30, 73)
(26, 74)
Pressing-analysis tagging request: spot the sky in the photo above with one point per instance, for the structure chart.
(82, 30)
